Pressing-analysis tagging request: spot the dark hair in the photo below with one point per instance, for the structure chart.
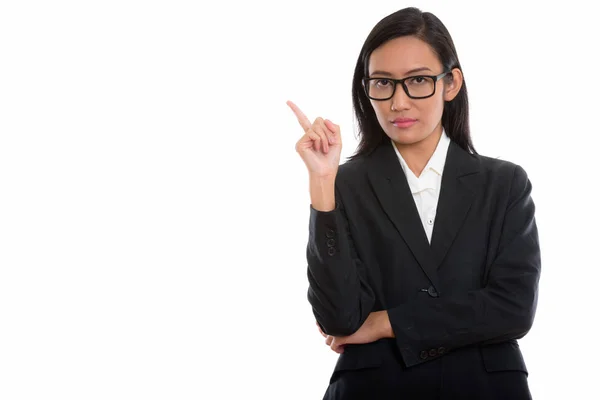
(427, 27)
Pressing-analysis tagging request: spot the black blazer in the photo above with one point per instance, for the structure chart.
(475, 285)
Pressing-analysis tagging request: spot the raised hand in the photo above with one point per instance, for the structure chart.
(320, 146)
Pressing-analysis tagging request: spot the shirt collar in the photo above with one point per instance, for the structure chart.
(435, 164)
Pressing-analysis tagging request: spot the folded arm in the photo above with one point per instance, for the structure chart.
(504, 309)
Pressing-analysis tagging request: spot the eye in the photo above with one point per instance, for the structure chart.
(382, 82)
(417, 80)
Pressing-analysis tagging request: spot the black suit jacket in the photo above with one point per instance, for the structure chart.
(476, 284)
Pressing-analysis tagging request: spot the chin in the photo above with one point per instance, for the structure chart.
(405, 137)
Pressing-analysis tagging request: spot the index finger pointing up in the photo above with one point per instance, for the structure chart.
(304, 121)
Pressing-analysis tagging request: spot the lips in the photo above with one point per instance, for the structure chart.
(403, 122)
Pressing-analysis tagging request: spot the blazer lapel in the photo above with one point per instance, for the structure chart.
(391, 188)
(456, 195)
(460, 176)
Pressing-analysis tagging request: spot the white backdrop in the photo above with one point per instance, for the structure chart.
(154, 213)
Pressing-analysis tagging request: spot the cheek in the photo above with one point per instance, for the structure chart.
(379, 108)
(434, 109)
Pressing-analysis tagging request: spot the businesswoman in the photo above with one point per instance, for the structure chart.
(423, 256)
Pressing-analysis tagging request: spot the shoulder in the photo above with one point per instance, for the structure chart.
(352, 170)
(498, 168)
(507, 175)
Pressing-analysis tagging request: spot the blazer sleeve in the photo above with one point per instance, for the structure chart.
(502, 310)
(340, 297)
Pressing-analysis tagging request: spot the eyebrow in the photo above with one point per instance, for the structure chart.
(412, 71)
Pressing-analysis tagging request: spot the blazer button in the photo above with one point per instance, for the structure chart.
(424, 355)
(441, 350)
(329, 233)
(432, 292)
(433, 352)
(330, 242)
(331, 251)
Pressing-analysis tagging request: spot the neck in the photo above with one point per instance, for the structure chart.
(418, 154)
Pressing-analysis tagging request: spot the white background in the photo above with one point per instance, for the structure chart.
(154, 212)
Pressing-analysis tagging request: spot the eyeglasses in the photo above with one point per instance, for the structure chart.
(415, 87)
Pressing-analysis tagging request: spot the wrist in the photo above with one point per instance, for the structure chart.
(385, 326)
(322, 193)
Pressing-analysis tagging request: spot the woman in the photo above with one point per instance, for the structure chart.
(423, 256)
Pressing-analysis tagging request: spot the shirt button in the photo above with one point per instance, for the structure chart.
(430, 221)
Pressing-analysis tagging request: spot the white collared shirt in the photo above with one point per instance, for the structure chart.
(426, 188)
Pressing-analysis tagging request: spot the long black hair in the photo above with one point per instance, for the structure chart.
(427, 27)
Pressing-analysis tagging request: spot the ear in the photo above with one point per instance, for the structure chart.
(451, 88)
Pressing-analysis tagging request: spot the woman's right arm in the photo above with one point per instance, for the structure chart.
(341, 299)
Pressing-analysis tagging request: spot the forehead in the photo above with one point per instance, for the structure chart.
(403, 54)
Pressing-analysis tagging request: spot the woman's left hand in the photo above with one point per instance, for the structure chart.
(376, 326)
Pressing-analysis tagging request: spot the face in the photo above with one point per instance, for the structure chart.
(404, 57)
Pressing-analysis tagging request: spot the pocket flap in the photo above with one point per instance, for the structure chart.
(504, 356)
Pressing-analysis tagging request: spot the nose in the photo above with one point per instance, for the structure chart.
(400, 100)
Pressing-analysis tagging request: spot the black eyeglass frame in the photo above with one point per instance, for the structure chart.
(435, 78)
